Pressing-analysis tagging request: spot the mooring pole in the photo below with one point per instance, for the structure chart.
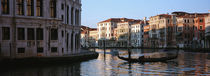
(104, 50)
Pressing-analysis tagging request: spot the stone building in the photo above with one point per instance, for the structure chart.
(137, 33)
(190, 29)
(161, 33)
(93, 37)
(84, 36)
(207, 31)
(146, 39)
(31, 28)
(124, 32)
(106, 28)
(107, 31)
(199, 31)
(89, 37)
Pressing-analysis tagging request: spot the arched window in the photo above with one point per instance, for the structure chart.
(30, 7)
(72, 15)
(53, 8)
(39, 7)
(20, 7)
(5, 6)
(72, 41)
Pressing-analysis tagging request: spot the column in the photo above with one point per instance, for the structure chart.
(34, 8)
(25, 7)
(46, 40)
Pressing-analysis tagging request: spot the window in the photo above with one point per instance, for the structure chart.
(201, 20)
(20, 7)
(77, 17)
(30, 7)
(62, 6)
(72, 15)
(39, 34)
(53, 49)
(62, 50)
(40, 50)
(5, 33)
(168, 21)
(62, 17)
(21, 34)
(67, 14)
(39, 6)
(72, 40)
(53, 8)
(30, 33)
(5, 6)
(54, 34)
(201, 27)
(21, 50)
(67, 42)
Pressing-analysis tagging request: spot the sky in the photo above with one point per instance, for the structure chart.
(94, 11)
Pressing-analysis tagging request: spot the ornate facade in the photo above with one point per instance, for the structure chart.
(31, 28)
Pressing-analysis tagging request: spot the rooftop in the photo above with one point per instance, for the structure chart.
(119, 20)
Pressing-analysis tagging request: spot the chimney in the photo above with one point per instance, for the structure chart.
(145, 20)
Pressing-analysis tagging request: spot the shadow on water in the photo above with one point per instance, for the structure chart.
(41, 70)
(108, 64)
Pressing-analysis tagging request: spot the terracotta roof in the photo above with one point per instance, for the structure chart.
(165, 15)
(186, 15)
(118, 20)
(92, 29)
(137, 23)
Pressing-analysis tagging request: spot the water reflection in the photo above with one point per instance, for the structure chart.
(108, 64)
(52, 70)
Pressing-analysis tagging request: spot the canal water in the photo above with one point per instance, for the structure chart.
(108, 64)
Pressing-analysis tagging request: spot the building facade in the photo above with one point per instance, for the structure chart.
(84, 36)
(31, 28)
(93, 37)
(146, 39)
(125, 32)
(137, 33)
(207, 31)
(199, 32)
(190, 29)
(106, 28)
(108, 31)
(161, 33)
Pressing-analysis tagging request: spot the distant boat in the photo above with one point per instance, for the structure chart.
(142, 59)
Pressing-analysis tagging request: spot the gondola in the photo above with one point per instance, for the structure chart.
(142, 59)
